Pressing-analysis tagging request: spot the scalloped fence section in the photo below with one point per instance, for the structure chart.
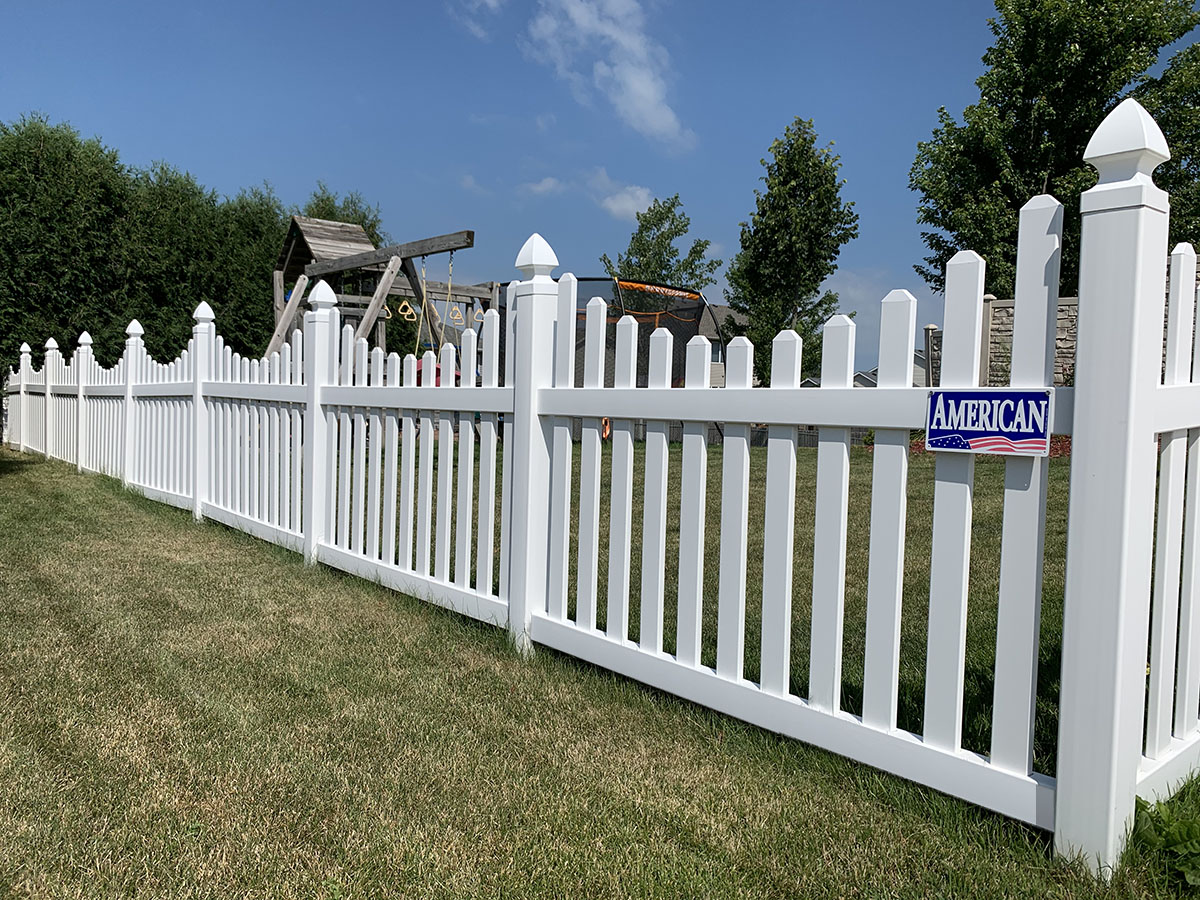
(482, 491)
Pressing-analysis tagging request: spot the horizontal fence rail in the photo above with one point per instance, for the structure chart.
(508, 500)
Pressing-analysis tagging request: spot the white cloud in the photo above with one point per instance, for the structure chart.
(622, 201)
(545, 122)
(548, 185)
(627, 66)
(475, 15)
(468, 183)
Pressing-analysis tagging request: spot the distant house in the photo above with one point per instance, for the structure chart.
(721, 325)
(870, 377)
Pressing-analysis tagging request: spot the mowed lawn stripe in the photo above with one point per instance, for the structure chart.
(189, 712)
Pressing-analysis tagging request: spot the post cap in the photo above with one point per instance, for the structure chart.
(901, 296)
(51, 344)
(322, 296)
(26, 349)
(203, 313)
(1128, 145)
(840, 320)
(85, 340)
(135, 329)
(536, 257)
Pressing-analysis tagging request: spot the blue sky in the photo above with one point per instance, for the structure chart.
(513, 116)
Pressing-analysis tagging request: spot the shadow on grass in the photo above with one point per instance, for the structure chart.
(10, 463)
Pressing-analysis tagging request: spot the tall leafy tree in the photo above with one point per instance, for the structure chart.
(790, 246)
(654, 256)
(88, 243)
(64, 211)
(326, 204)
(1057, 67)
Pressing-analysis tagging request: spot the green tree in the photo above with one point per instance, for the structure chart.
(325, 204)
(1056, 69)
(64, 207)
(653, 256)
(791, 245)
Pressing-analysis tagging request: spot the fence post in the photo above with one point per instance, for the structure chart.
(49, 367)
(133, 348)
(203, 337)
(23, 421)
(1123, 256)
(318, 336)
(536, 304)
(82, 365)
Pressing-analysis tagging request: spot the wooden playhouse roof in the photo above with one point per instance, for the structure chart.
(316, 240)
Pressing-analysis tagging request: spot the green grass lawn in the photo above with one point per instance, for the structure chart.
(188, 712)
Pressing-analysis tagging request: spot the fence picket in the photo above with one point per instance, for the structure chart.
(620, 530)
(375, 452)
(277, 448)
(425, 473)
(558, 577)
(779, 518)
(445, 493)
(510, 326)
(654, 508)
(1165, 609)
(344, 457)
(1018, 624)
(489, 378)
(358, 476)
(1187, 705)
(588, 571)
(692, 509)
(249, 457)
(391, 437)
(954, 479)
(466, 467)
(889, 505)
(408, 447)
(735, 512)
(829, 532)
(287, 453)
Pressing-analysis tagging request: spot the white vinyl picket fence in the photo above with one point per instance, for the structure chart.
(463, 493)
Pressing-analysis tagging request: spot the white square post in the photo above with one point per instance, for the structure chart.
(532, 350)
(1123, 255)
(81, 366)
(204, 334)
(50, 366)
(134, 352)
(23, 405)
(319, 335)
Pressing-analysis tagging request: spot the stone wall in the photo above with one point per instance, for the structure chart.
(996, 350)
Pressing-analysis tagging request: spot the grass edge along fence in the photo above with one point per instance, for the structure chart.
(333, 450)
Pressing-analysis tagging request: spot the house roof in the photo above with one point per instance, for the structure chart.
(721, 314)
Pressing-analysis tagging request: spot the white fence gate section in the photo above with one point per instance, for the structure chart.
(462, 492)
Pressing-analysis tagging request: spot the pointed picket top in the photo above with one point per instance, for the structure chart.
(786, 353)
(135, 329)
(1128, 145)
(322, 296)
(837, 352)
(1042, 201)
(51, 344)
(841, 320)
(204, 313)
(536, 258)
